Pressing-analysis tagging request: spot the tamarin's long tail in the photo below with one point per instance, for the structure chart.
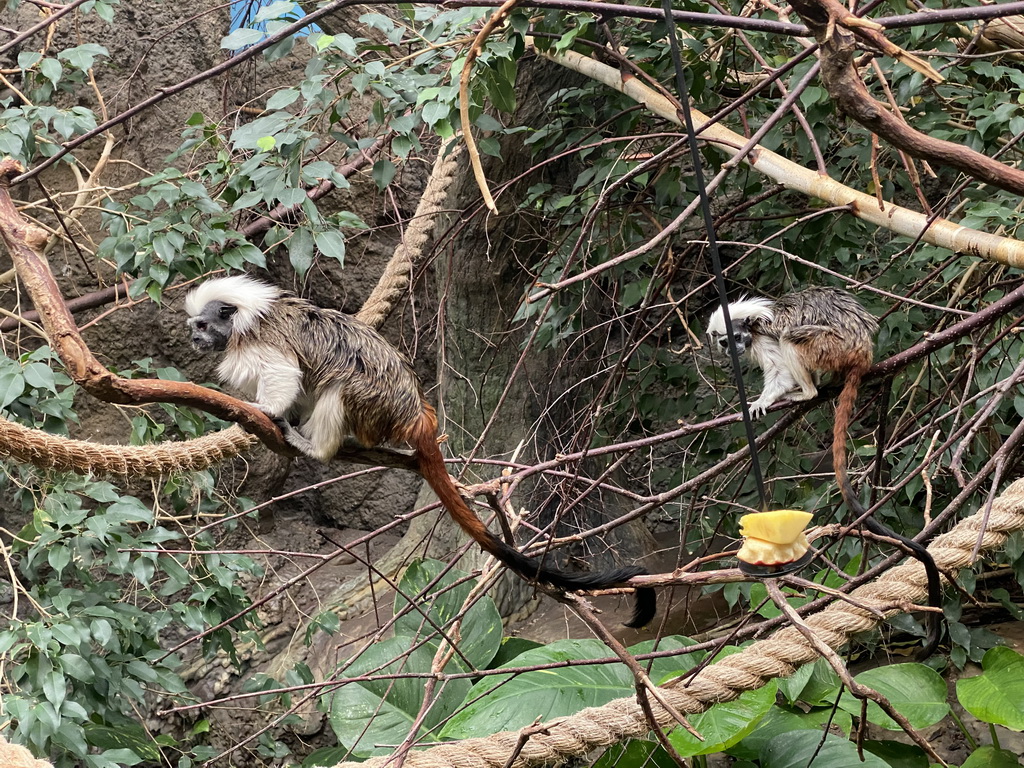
(844, 415)
(423, 437)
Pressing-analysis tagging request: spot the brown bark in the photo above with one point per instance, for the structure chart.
(24, 241)
(839, 33)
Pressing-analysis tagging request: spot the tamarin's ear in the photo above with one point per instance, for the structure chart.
(226, 311)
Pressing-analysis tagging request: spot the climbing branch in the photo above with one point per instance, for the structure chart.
(24, 242)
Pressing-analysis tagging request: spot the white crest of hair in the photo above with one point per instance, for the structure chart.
(744, 308)
(252, 297)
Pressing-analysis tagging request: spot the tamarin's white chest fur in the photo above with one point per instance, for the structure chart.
(264, 375)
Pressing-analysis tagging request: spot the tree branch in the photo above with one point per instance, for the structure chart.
(838, 35)
(903, 221)
(24, 242)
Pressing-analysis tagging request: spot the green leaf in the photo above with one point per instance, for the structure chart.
(240, 38)
(783, 720)
(325, 756)
(12, 386)
(813, 684)
(434, 111)
(435, 596)
(510, 648)
(725, 724)
(77, 667)
(300, 251)
(990, 757)
(82, 56)
(54, 687)
(40, 376)
(804, 749)
(51, 70)
(28, 59)
(283, 98)
(124, 737)
(917, 692)
(251, 254)
(383, 173)
(367, 716)
(551, 693)
(58, 558)
(331, 244)
(997, 694)
(635, 753)
(897, 754)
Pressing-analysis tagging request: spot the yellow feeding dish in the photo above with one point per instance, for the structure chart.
(773, 538)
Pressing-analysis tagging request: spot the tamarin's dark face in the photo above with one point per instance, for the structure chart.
(741, 336)
(211, 328)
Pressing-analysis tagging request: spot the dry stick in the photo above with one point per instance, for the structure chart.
(777, 656)
(834, 661)
(497, 18)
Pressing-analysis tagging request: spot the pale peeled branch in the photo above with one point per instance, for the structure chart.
(773, 538)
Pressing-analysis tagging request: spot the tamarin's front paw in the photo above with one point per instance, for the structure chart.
(279, 421)
(759, 408)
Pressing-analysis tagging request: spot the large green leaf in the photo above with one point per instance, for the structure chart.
(990, 757)
(897, 754)
(917, 692)
(784, 720)
(805, 749)
(325, 756)
(813, 684)
(635, 753)
(997, 694)
(441, 603)
(725, 724)
(543, 694)
(556, 692)
(372, 716)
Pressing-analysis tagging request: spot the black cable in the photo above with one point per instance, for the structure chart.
(716, 261)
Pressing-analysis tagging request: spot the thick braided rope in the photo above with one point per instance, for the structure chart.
(776, 656)
(46, 451)
(395, 280)
(15, 756)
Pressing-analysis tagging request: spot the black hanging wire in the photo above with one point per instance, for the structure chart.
(716, 261)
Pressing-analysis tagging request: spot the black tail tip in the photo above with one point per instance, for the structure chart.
(645, 606)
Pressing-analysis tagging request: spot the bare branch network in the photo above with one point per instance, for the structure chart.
(954, 415)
